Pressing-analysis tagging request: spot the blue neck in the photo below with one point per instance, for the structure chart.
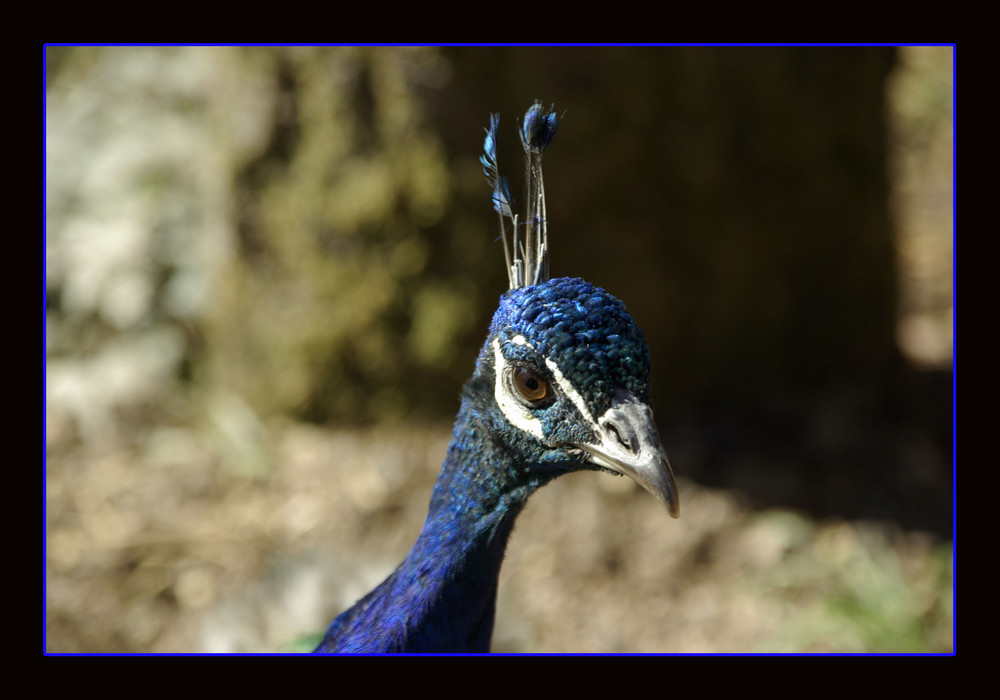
(442, 597)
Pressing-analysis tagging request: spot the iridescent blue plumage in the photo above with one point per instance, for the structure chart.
(499, 184)
(586, 332)
(561, 384)
(539, 128)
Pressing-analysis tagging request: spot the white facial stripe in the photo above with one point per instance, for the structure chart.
(516, 413)
(568, 389)
(514, 410)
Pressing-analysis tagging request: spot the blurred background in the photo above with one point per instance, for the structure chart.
(269, 270)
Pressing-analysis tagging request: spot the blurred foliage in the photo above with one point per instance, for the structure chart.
(862, 588)
(330, 305)
(265, 209)
(311, 223)
(920, 100)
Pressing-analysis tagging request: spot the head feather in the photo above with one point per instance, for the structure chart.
(528, 256)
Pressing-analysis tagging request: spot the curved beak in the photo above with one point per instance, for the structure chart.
(628, 443)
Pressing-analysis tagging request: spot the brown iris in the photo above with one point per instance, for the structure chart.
(530, 384)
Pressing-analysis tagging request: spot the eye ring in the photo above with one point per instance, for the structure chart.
(531, 385)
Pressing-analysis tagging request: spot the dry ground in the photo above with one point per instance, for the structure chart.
(155, 545)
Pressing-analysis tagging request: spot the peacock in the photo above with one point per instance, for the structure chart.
(561, 385)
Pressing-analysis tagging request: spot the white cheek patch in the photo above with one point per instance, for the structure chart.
(516, 413)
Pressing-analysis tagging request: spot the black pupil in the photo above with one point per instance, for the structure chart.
(531, 382)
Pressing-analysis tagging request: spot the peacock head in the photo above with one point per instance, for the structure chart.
(570, 378)
(570, 368)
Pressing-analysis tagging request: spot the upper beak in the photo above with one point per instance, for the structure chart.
(629, 444)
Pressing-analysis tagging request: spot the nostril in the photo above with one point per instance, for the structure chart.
(629, 444)
(618, 435)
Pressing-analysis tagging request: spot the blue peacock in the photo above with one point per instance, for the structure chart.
(561, 385)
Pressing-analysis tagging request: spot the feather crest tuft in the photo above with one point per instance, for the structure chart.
(528, 262)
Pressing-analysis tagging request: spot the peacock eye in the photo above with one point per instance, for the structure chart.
(530, 384)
